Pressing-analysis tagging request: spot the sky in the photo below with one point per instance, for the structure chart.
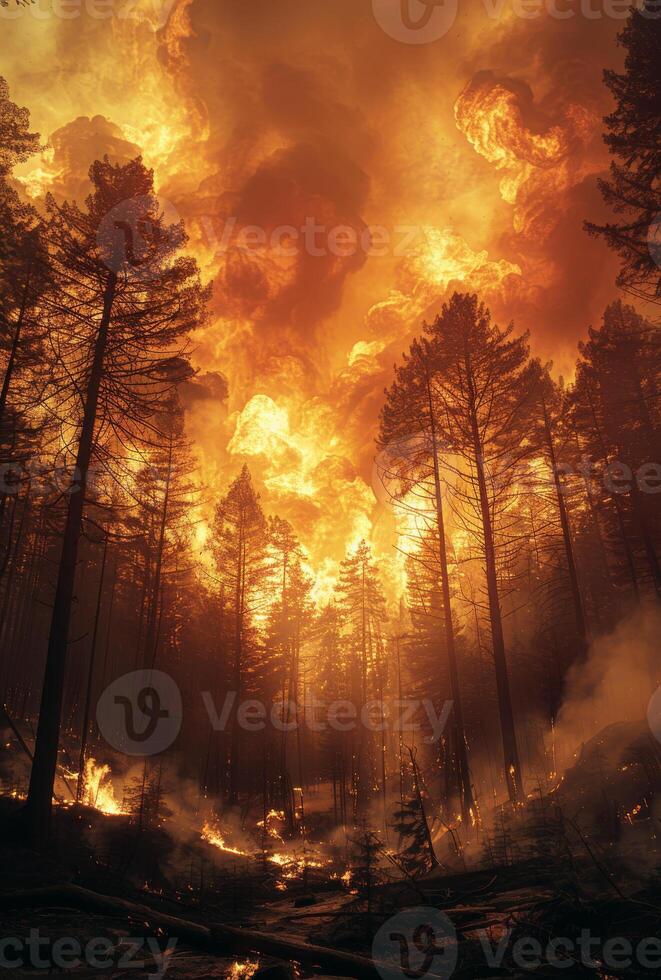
(339, 167)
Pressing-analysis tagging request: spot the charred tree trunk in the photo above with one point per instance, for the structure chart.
(151, 642)
(577, 597)
(628, 552)
(235, 745)
(16, 341)
(433, 860)
(42, 778)
(462, 767)
(638, 507)
(90, 677)
(513, 773)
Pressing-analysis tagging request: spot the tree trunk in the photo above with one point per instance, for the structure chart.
(579, 608)
(631, 564)
(13, 356)
(235, 745)
(462, 767)
(42, 778)
(513, 773)
(638, 508)
(151, 642)
(90, 676)
(433, 860)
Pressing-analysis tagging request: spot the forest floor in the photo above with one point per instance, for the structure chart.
(583, 860)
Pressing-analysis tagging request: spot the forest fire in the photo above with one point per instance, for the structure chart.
(293, 865)
(98, 791)
(330, 435)
(212, 835)
(489, 114)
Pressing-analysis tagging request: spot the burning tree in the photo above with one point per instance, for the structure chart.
(24, 278)
(165, 494)
(362, 607)
(551, 420)
(483, 387)
(410, 438)
(288, 619)
(116, 325)
(416, 852)
(333, 685)
(634, 140)
(240, 539)
(616, 417)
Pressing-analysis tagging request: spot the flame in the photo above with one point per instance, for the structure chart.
(490, 118)
(214, 836)
(273, 817)
(98, 790)
(293, 865)
(243, 971)
(443, 257)
(538, 160)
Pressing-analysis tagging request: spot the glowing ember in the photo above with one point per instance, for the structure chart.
(242, 971)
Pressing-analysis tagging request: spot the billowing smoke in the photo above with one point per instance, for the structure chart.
(614, 685)
(476, 156)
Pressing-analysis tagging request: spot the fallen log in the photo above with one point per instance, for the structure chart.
(219, 939)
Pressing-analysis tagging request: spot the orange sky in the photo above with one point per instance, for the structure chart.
(475, 155)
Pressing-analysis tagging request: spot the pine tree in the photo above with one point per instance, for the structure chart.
(17, 143)
(634, 139)
(240, 539)
(332, 685)
(412, 824)
(362, 606)
(118, 328)
(366, 873)
(24, 277)
(282, 672)
(483, 386)
(616, 415)
(550, 431)
(166, 494)
(410, 425)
